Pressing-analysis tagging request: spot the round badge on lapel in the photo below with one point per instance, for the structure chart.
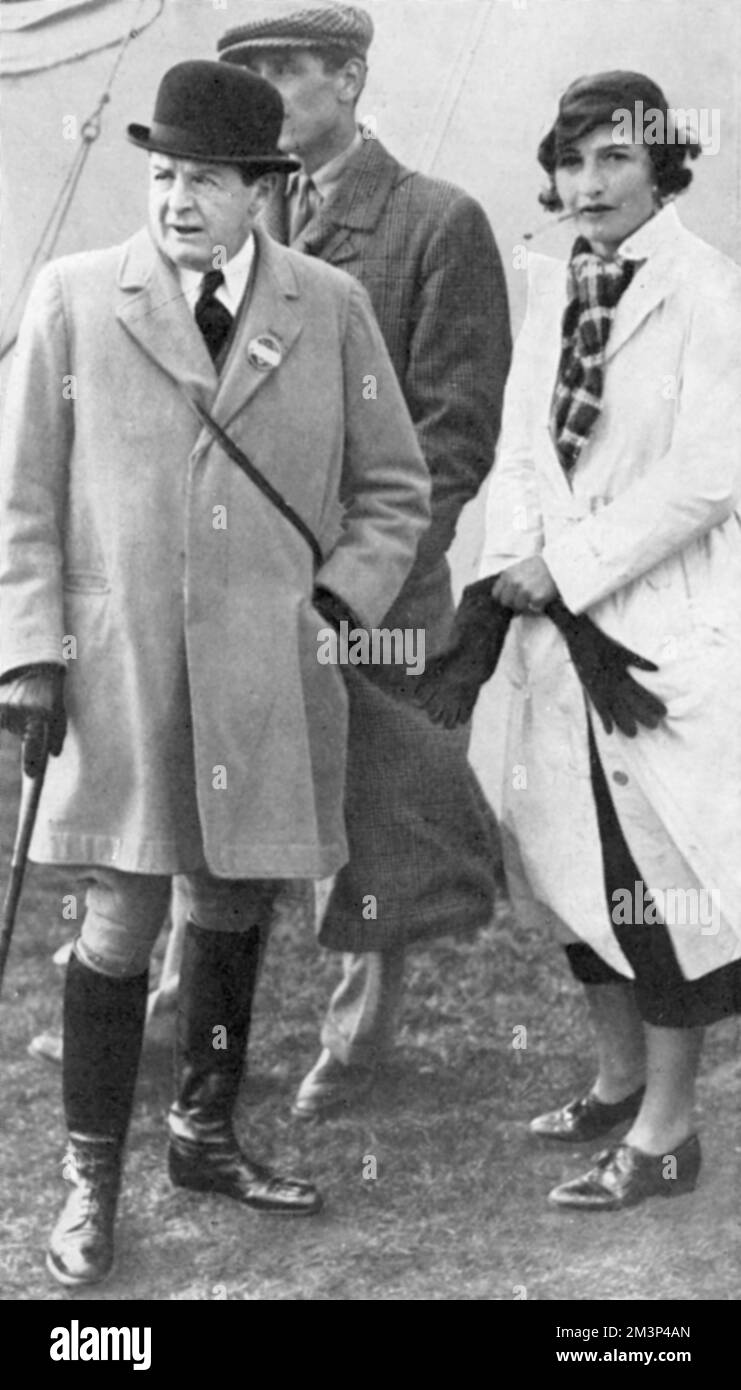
(264, 352)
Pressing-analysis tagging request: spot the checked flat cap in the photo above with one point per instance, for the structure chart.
(345, 27)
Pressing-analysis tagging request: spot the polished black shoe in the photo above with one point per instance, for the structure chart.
(81, 1245)
(586, 1118)
(624, 1176)
(220, 1166)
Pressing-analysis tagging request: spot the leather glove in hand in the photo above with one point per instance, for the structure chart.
(32, 706)
(448, 687)
(602, 667)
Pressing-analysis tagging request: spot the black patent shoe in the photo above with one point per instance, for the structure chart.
(81, 1245)
(586, 1118)
(222, 1167)
(624, 1176)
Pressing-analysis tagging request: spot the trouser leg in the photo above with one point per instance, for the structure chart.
(164, 996)
(359, 1025)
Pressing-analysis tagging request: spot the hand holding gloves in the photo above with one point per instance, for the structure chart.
(449, 687)
(32, 706)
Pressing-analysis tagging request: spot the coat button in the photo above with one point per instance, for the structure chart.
(621, 778)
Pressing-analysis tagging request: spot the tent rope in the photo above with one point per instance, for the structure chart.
(434, 143)
(89, 133)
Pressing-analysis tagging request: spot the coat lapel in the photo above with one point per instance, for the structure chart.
(324, 238)
(657, 246)
(646, 290)
(271, 312)
(274, 217)
(315, 236)
(355, 206)
(153, 310)
(547, 298)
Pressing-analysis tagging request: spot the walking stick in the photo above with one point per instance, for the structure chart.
(31, 789)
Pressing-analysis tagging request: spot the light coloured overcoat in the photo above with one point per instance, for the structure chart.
(202, 726)
(646, 538)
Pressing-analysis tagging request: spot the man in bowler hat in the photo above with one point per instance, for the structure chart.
(423, 842)
(160, 614)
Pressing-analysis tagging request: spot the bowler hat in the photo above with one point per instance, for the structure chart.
(216, 112)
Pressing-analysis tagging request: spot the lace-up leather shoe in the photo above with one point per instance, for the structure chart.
(624, 1176)
(81, 1245)
(586, 1118)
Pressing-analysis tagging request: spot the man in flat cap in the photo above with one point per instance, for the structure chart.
(191, 479)
(423, 843)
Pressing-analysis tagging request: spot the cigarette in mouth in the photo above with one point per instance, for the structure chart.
(546, 226)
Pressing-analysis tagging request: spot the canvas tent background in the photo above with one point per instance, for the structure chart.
(463, 89)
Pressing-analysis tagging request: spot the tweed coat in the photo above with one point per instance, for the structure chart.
(424, 251)
(645, 537)
(202, 726)
(422, 840)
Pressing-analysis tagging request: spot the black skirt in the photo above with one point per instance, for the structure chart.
(664, 997)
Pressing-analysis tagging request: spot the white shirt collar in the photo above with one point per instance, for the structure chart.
(325, 180)
(236, 275)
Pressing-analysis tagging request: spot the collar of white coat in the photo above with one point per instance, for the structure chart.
(660, 233)
(658, 245)
(236, 274)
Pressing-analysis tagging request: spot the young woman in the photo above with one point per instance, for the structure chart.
(617, 489)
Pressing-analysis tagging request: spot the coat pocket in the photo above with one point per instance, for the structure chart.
(86, 582)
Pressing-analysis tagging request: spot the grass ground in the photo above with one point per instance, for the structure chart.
(457, 1210)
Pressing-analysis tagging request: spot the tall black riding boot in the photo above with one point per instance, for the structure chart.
(103, 1029)
(217, 981)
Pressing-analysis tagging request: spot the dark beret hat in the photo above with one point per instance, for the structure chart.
(345, 27)
(593, 101)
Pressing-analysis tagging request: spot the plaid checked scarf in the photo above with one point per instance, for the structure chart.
(594, 288)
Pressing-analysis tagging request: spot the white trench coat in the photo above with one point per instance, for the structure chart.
(644, 537)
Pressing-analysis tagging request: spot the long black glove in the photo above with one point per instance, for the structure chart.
(602, 667)
(32, 706)
(449, 686)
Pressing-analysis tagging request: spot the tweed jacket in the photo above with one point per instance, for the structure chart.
(424, 251)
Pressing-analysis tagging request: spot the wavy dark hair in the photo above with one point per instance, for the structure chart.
(594, 101)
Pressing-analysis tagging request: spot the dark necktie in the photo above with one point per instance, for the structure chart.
(213, 317)
(304, 205)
